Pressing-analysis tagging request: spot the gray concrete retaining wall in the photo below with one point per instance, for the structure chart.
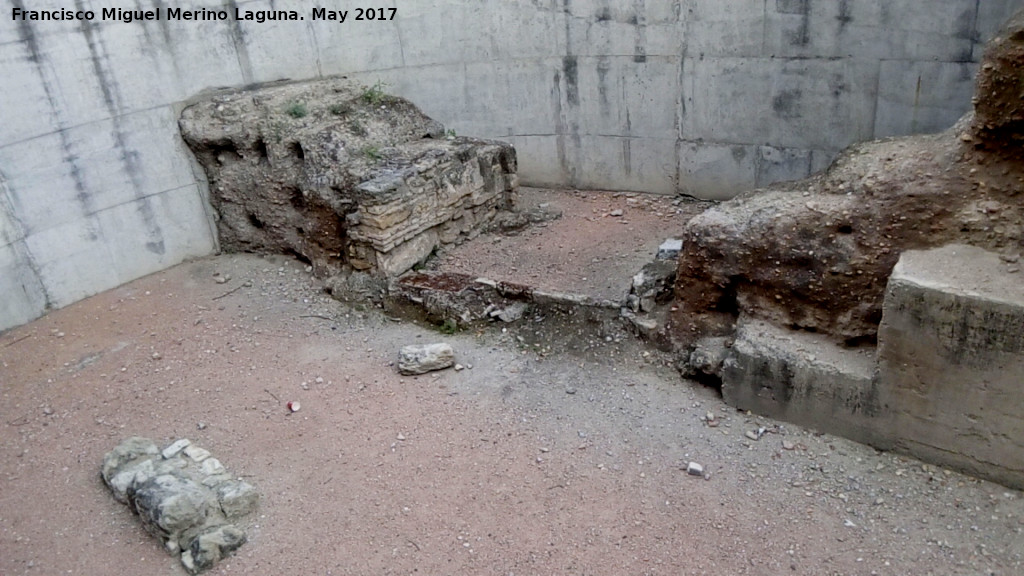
(699, 96)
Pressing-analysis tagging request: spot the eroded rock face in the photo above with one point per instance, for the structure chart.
(816, 255)
(343, 176)
(999, 104)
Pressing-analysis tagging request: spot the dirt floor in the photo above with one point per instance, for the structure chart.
(594, 248)
(522, 464)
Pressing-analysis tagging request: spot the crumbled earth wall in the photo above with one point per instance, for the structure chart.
(816, 255)
(342, 175)
(999, 101)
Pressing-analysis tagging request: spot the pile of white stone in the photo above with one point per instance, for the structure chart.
(183, 496)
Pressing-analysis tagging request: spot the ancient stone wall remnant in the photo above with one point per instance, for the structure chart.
(183, 496)
(343, 176)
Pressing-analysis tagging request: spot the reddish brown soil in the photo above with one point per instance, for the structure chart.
(520, 465)
(585, 251)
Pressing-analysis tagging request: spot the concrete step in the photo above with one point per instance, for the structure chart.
(951, 361)
(803, 378)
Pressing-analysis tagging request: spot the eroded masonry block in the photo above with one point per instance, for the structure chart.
(343, 176)
(951, 360)
(182, 496)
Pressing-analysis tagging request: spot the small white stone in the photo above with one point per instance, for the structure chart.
(187, 562)
(694, 469)
(175, 448)
(216, 480)
(670, 249)
(459, 367)
(196, 453)
(638, 279)
(211, 466)
(752, 434)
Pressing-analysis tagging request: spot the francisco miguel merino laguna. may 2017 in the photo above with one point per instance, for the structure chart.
(203, 14)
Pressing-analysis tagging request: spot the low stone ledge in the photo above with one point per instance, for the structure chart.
(465, 299)
(183, 496)
(802, 378)
(944, 385)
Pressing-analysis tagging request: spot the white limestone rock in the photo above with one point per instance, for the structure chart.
(420, 359)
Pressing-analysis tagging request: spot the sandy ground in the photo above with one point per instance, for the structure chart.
(565, 464)
(600, 241)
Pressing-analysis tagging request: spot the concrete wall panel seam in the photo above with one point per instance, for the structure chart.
(29, 264)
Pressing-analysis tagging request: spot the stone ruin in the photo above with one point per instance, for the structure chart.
(911, 244)
(343, 176)
(787, 295)
(816, 255)
(183, 496)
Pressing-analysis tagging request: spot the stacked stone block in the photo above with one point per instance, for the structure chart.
(183, 496)
(442, 197)
(343, 176)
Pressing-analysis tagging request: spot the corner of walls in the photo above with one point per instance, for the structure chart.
(702, 96)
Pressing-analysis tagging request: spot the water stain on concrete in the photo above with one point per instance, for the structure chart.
(786, 103)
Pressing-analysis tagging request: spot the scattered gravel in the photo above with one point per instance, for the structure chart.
(493, 470)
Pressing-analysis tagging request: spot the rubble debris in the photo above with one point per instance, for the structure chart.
(652, 285)
(181, 496)
(420, 359)
(816, 255)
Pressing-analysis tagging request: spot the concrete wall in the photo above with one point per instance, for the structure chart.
(701, 96)
(951, 361)
(943, 385)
